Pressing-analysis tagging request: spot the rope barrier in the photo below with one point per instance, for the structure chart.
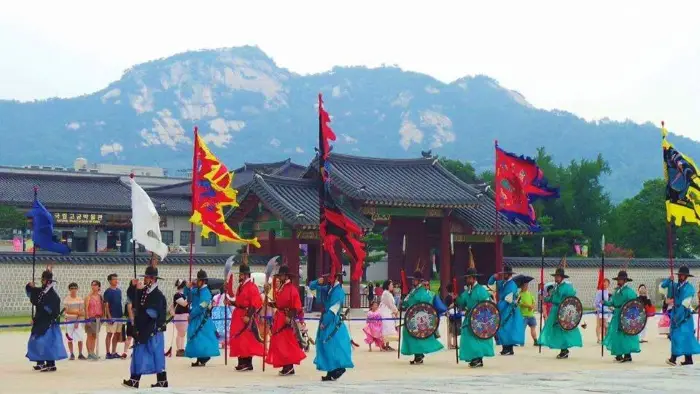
(26, 325)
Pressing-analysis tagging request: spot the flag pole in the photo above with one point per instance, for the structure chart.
(404, 291)
(322, 186)
(669, 226)
(36, 192)
(194, 182)
(602, 297)
(499, 260)
(539, 338)
(455, 293)
(133, 239)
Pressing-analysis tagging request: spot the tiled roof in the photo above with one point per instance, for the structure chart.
(295, 200)
(64, 191)
(482, 218)
(398, 182)
(116, 258)
(244, 175)
(617, 263)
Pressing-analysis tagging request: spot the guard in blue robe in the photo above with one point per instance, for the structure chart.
(333, 342)
(202, 343)
(150, 308)
(45, 345)
(682, 330)
(512, 329)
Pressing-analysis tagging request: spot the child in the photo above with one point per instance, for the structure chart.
(665, 321)
(527, 309)
(547, 305)
(454, 322)
(75, 311)
(373, 329)
(648, 308)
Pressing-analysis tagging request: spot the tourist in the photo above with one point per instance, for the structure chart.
(511, 331)
(602, 317)
(45, 345)
(245, 342)
(220, 315)
(75, 311)
(649, 309)
(664, 323)
(472, 348)
(411, 346)
(148, 357)
(620, 344)
(128, 332)
(373, 328)
(113, 310)
(454, 320)
(553, 336)
(389, 312)
(94, 307)
(284, 351)
(308, 299)
(202, 343)
(683, 339)
(333, 342)
(527, 309)
(181, 317)
(370, 292)
(547, 305)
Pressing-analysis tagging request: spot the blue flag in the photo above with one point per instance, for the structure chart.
(42, 226)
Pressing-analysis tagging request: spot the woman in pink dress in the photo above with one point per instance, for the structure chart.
(373, 329)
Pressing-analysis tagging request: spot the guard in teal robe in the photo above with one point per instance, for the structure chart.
(333, 343)
(620, 344)
(512, 329)
(411, 346)
(553, 336)
(202, 342)
(471, 348)
(682, 330)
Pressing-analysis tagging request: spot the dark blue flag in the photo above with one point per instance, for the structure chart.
(42, 226)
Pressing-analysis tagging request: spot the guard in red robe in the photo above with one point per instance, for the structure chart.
(285, 351)
(245, 341)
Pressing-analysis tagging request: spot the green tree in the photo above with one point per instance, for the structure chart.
(639, 224)
(462, 170)
(11, 218)
(375, 245)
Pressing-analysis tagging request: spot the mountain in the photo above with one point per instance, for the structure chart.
(252, 110)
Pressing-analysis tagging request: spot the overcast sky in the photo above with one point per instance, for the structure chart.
(619, 59)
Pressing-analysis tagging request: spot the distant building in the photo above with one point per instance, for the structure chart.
(81, 164)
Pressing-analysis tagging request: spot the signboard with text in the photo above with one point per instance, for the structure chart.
(78, 218)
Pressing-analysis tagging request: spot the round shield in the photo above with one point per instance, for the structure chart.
(633, 317)
(421, 320)
(570, 313)
(484, 320)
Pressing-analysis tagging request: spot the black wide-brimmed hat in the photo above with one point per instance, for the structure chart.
(622, 275)
(47, 276)
(560, 272)
(244, 269)
(471, 272)
(202, 275)
(152, 272)
(507, 270)
(284, 270)
(684, 271)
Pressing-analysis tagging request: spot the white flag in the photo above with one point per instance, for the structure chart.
(145, 222)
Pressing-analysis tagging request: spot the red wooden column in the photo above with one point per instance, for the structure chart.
(445, 254)
(394, 245)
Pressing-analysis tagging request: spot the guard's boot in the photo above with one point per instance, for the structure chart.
(39, 365)
(672, 361)
(627, 358)
(417, 359)
(161, 380)
(563, 354)
(688, 360)
(287, 370)
(132, 382)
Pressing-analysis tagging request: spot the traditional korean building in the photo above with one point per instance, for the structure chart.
(415, 199)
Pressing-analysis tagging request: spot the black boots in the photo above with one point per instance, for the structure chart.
(244, 364)
(162, 380)
(201, 361)
(476, 363)
(563, 354)
(287, 370)
(507, 350)
(333, 375)
(133, 381)
(45, 366)
(688, 360)
(417, 359)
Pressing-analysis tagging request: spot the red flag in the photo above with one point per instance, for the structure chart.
(519, 182)
(334, 226)
(601, 280)
(404, 283)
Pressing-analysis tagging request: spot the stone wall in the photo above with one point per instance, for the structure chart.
(14, 277)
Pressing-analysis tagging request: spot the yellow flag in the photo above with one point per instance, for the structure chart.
(682, 184)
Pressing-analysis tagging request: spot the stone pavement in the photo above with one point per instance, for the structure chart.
(648, 380)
